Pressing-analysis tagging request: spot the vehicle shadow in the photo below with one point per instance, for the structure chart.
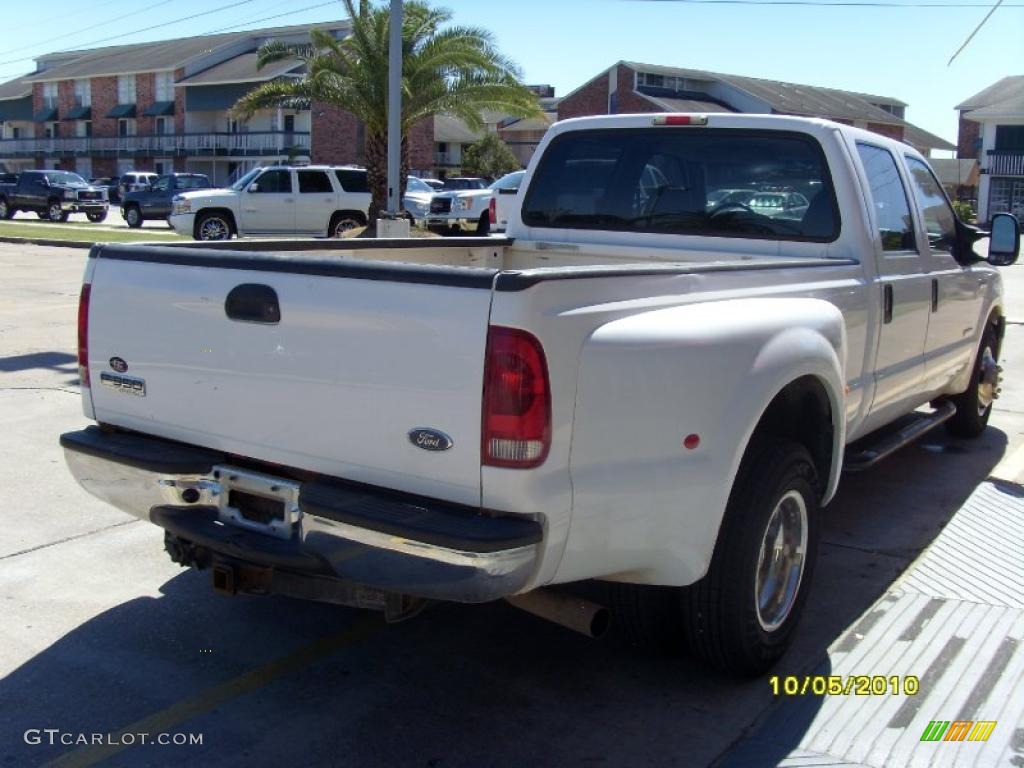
(58, 362)
(460, 685)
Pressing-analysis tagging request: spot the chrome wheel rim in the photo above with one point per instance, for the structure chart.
(988, 380)
(133, 216)
(213, 229)
(3, 209)
(780, 563)
(54, 212)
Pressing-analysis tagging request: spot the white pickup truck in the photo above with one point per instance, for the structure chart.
(632, 387)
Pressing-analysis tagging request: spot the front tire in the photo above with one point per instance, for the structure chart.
(55, 213)
(740, 618)
(6, 212)
(96, 218)
(974, 406)
(213, 226)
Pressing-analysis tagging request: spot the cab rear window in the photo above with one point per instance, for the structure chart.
(685, 181)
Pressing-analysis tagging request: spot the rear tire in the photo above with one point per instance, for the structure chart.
(133, 216)
(343, 221)
(974, 405)
(483, 227)
(741, 616)
(6, 212)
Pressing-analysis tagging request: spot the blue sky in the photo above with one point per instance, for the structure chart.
(900, 52)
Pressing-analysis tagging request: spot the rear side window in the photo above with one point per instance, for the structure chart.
(352, 180)
(892, 211)
(275, 181)
(684, 181)
(314, 181)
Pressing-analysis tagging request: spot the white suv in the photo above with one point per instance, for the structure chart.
(321, 200)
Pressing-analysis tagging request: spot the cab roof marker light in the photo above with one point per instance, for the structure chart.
(680, 120)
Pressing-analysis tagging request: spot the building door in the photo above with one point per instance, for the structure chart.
(1006, 195)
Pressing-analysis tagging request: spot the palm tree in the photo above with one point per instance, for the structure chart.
(455, 70)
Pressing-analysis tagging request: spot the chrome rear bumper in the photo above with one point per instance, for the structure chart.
(374, 537)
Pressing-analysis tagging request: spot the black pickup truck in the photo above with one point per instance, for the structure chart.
(53, 195)
(155, 202)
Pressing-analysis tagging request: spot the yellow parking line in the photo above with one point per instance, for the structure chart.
(176, 714)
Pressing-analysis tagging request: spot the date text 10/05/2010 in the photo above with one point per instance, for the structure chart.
(844, 685)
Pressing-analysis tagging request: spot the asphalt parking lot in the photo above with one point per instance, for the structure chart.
(102, 634)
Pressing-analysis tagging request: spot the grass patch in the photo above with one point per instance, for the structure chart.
(82, 234)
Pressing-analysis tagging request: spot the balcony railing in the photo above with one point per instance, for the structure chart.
(253, 143)
(1005, 163)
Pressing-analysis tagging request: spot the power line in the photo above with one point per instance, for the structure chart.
(227, 7)
(840, 3)
(270, 18)
(974, 32)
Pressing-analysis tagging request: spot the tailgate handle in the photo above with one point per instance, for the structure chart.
(253, 303)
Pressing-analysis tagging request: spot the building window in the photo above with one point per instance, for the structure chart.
(52, 130)
(15, 132)
(126, 89)
(289, 123)
(164, 126)
(126, 126)
(49, 95)
(1009, 138)
(83, 93)
(163, 86)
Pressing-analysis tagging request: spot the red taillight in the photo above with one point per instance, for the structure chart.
(516, 428)
(492, 211)
(83, 335)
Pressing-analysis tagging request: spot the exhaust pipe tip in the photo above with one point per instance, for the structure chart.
(224, 579)
(575, 613)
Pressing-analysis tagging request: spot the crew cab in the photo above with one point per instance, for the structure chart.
(630, 387)
(53, 195)
(321, 200)
(154, 202)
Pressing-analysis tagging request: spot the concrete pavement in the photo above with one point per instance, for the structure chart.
(102, 634)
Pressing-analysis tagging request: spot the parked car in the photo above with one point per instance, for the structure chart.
(504, 195)
(111, 184)
(628, 390)
(155, 201)
(322, 200)
(417, 199)
(134, 181)
(466, 206)
(53, 195)
(436, 184)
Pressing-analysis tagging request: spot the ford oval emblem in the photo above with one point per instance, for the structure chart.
(430, 439)
(118, 364)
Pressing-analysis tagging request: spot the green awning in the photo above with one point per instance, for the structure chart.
(45, 116)
(122, 110)
(79, 113)
(159, 109)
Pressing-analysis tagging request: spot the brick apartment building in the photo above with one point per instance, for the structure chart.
(630, 87)
(166, 106)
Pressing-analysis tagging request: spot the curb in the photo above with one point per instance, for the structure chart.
(44, 241)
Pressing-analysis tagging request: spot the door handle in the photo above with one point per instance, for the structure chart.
(887, 303)
(935, 295)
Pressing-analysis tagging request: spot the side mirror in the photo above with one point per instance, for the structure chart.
(1004, 241)
(254, 187)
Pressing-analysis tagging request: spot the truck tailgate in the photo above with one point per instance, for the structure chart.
(357, 360)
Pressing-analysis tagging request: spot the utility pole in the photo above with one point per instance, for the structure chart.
(395, 110)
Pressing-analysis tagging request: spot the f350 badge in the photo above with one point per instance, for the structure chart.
(430, 439)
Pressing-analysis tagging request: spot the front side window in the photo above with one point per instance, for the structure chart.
(939, 219)
(314, 181)
(275, 181)
(892, 210)
(163, 184)
(684, 181)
